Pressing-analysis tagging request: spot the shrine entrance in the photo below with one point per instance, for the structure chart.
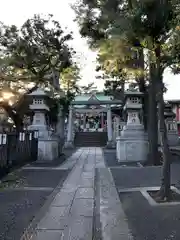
(91, 113)
(91, 119)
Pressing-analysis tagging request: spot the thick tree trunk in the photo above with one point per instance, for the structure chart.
(152, 120)
(164, 192)
(142, 86)
(152, 115)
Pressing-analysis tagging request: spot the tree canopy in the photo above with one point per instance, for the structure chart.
(129, 26)
(69, 79)
(35, 54)
(140, 25)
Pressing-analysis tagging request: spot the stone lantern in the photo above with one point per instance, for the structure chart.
(40, 109)
(171, 125)
(133, 107)
(132, 145)
(47, 143)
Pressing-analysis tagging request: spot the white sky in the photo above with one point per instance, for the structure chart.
(18, 11)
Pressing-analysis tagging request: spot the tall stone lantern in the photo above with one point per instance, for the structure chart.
(40, 109)
(132, 108)
(171, 124)
(132, 145)
(47, 143)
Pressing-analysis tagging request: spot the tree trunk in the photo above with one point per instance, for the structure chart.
(153, 157)
(142, 86)
(164, 192)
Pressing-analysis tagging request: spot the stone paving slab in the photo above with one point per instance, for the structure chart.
(55, 218)
(48, 235)
(85, 193)
(80, 228)
(86, 182)
(88, 174)
(64, 198)
(82, 207)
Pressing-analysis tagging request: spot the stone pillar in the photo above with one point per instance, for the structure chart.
(60, 123)
(102, 120)
(69, 142)
(109, 127)
(117, 126)
(84, 121)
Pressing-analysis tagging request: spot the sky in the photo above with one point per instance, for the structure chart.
(18, 11)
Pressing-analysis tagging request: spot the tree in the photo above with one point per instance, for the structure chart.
(39, 47)
(96, 20)
(88, 88)
(113, 64)
(36, 53)
(12, 86)
(145, 24)
(152, 22)
(69, 79)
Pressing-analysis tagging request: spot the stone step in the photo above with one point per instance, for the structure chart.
(90, 139)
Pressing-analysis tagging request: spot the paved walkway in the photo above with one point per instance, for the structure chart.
(87, 206)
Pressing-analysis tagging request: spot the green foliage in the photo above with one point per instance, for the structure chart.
(69, 79)
(39, 47)
(114, 88)
(88, 88)
(128, 26)
(37, 53)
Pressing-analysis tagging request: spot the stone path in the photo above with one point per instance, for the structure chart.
(73, 214)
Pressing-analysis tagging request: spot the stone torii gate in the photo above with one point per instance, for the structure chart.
(99, 106)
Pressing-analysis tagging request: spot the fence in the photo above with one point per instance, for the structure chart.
(17, 149)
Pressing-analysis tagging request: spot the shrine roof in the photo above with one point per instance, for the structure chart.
(133, 93)
(175, 101)
(97, 96)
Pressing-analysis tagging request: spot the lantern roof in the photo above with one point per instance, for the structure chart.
(38, 92)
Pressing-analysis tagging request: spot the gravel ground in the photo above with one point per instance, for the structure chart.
(33, 178)
(146, 222)
(111, 161)
(131, 176)
(17, 209)
(66, 154)
(150, 223)
(143, 177)
(42, 178)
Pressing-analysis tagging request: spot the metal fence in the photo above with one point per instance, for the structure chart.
(17, 149)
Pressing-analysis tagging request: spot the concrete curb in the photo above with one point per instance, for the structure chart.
(112, 217)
